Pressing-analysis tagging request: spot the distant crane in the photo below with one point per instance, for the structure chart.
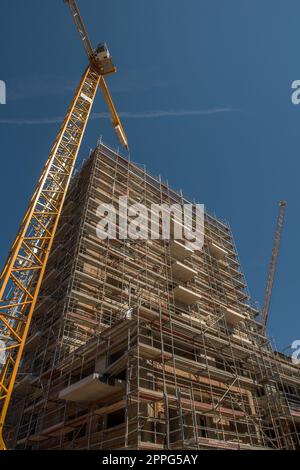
(273, 263)
(24, 269)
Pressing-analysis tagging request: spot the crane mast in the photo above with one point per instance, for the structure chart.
(273, 263)
(25, 266)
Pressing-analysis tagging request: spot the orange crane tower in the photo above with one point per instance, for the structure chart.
(24, 268)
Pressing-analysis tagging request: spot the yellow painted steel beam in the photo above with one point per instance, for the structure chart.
(116, 122)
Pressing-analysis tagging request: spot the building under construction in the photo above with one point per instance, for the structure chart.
(140, 344)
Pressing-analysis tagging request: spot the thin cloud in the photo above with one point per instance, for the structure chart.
(125, 114)
(32, 122)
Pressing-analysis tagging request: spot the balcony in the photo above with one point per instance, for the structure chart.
(232, 316)
(180, 251)
(186, 296)
(89, 389)
(216, 251)
(183, 272)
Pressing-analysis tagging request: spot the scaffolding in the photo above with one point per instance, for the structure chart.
(147, 344)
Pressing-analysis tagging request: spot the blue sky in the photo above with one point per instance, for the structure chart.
(205, 89)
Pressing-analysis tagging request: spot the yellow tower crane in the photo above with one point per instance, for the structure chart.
(24, 268)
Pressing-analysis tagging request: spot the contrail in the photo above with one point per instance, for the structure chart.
(125, 114)
(166, 113)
